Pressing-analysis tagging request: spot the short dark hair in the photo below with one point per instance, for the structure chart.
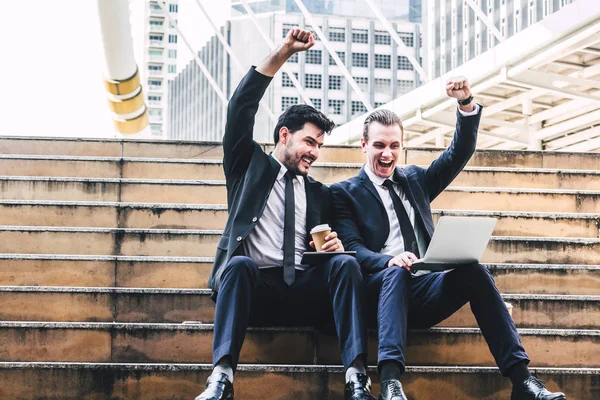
(294, 118)
(385, 118)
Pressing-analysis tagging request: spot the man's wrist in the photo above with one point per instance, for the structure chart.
(466, 101)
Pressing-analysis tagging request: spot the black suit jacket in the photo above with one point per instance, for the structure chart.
(360, 217)
(250, 175)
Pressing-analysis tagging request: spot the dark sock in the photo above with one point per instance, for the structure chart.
(389, 370)
(519, 372)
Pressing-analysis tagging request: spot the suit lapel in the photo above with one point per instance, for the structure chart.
(313, 205)
(366, 182)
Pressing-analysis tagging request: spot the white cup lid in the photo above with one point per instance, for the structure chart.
(320, 228)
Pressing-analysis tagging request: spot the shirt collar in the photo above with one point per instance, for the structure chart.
(377, 180)
(283, 170)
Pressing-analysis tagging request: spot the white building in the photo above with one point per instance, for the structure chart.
(453, 34)
(362, 43)
(159, 64)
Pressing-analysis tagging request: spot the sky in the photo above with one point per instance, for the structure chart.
(53, 62)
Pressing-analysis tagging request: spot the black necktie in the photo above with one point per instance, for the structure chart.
(289, 231)
(408, 233)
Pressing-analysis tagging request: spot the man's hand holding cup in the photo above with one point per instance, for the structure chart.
(325, 240)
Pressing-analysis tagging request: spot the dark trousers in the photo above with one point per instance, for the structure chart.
(249, 296)
(403, 300)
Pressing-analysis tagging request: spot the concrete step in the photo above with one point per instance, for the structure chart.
(192, 273)
(213, 150)
(68, 304)
(200, 216)
(191, 169)
(163, 343)
(127, 381)
(214, 192)
(202, 243)
(107, 271)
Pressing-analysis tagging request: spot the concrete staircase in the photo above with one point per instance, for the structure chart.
(106, 246)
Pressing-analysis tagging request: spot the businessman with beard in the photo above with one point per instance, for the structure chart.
(258, 278)
(384, 214)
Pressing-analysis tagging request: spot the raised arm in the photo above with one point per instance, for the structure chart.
(449, 164)
(241, 112)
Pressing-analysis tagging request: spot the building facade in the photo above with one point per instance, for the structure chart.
(362, 43)
(159, 65)
(453, 34)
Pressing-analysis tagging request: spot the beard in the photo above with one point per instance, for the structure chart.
(292, 162)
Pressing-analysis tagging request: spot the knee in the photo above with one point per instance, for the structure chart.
(241, 267)
(395, 275)
(345, 267)
(477, 273)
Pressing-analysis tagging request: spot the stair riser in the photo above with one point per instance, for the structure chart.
(275, 347)
(176, 308)
(204, 245)
(97, 384)
(165, 218)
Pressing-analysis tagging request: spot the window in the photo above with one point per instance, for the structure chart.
(156, 23)
(531, 19)
(287, 102)
(337, 34)
(155, 52)
(172, 53)
(362, 82)
(313, 81)
(360, 60)
(382, 37)
(341, 55)
(405, 86)
(358, 107)
(404, 64)
(293, 59)
(336, 107)
(383, 61)
(360, 36)
(286, 28)
(503, 27)
(155, 6)
(173, 8)
(154, 83)
(335, 82)
(546, 8)
(157, 38)
(172, 69)
(383, 85)
(379, 104)
(154, 98)
(516, 21)
(154, 67)
(408, 38)
(172, 38)
(316, 103)
(155, 112)
(313, 56)
(286, 81)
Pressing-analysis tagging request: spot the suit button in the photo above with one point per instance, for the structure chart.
(254, 219)
(239, 239)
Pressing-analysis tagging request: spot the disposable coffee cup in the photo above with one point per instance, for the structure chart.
(318, 234)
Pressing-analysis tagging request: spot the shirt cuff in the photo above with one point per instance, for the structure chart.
(468, 114)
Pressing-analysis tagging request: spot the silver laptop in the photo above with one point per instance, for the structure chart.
(456, 240)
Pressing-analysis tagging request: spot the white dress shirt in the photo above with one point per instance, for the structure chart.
(265, 243)
(394, 245)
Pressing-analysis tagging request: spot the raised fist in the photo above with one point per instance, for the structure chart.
(458, 88)
(299, 40)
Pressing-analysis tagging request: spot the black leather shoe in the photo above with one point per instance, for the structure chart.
(217, 388)
(533, 389)
(392, 390)
(358, 388)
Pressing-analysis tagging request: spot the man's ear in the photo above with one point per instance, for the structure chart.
(363, 144)
(284, 134)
